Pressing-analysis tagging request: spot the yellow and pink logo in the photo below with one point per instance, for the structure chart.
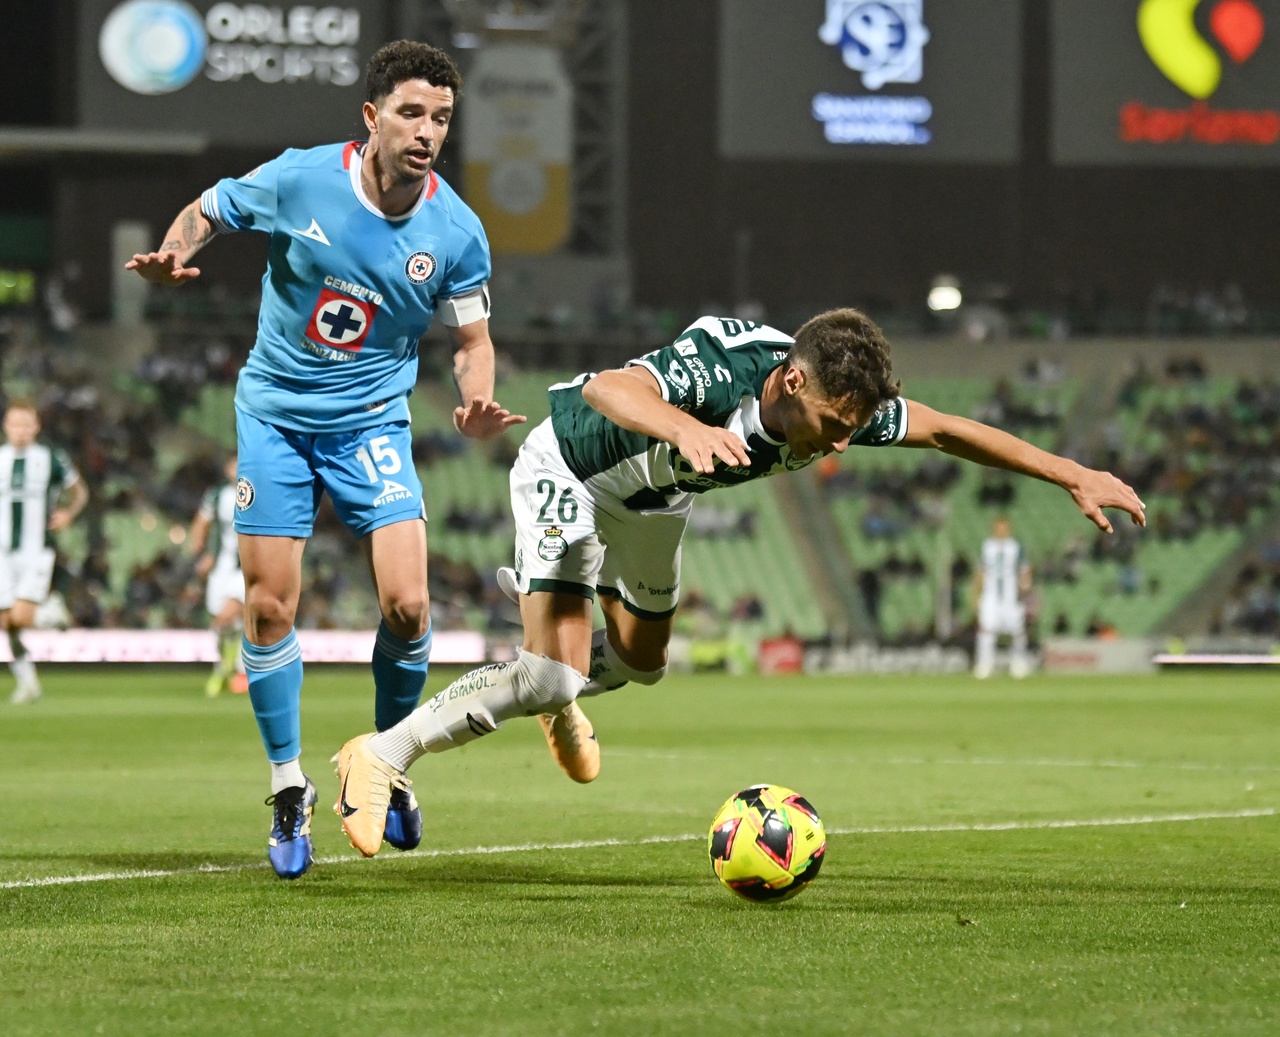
(1175, 44)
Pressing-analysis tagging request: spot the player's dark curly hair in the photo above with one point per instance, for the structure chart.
(845, 353)
(400, 60)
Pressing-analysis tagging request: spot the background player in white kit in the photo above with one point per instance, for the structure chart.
(1004, 580)
(213, 542)
(33, 479)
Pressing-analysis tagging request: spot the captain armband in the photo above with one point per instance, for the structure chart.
(466, 308)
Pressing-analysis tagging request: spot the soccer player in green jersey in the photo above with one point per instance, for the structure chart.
(35, 479)
(602, 492)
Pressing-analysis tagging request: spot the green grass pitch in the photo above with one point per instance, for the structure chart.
(1052, 856)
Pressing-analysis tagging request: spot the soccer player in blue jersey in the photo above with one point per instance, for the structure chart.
(367, 245)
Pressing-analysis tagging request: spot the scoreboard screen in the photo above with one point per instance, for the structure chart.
(240, 74)
(1166, 82)
(865, 80)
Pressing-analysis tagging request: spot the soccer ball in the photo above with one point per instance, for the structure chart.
(767, 843)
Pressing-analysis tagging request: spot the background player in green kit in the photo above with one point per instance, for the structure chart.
(602, 492)
(34, 478)
(212, 541)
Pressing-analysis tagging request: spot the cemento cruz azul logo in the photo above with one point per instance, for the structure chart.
(153, 46)
(882, 39)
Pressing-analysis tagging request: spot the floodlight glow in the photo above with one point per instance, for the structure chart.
(944, 297)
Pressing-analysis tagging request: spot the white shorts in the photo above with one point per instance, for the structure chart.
(571, 540)
(25, 576)
(223, 586)
(995, 617)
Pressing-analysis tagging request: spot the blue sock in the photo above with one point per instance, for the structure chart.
(399, 673)
(275, 688)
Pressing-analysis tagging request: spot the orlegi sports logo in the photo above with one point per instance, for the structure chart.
(1178, 47)
(153, 46)
(883, 41)
(159, 46)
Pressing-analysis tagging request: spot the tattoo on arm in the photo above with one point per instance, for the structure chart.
(172, 245)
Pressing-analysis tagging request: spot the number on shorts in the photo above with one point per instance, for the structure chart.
(566, 507)
(384, 458)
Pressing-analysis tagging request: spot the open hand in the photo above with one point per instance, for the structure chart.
(162, 268)
(704, 443)
(481, 420)
(1097, 490)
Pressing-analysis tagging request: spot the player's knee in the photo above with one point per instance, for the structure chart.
(407, 613)
(545, 685)
(267, 614)
(649, 677)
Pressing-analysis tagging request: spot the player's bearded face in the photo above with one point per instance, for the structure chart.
(409, 127)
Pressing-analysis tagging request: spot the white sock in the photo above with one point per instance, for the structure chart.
(476, 705)
(608, 671)
(1018, 664)
(986, 652)
(24, 672)
(284, 775)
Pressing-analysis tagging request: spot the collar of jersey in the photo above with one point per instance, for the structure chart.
(752, 412)
(358, 188)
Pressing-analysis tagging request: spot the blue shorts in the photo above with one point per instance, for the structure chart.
(368, 474)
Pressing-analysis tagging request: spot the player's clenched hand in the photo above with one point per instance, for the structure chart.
(481, 420)
(162, 268)
(703, 444)
(1095, 490)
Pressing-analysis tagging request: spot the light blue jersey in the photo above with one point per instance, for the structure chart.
(348, 291)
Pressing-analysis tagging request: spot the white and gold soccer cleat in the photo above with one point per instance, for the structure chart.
(365, 780)
(572, 742)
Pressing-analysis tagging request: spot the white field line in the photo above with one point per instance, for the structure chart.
(593, 844)
(975, 761)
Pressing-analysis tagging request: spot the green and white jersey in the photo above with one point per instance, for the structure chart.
(31, 480)
(218, 507)
(716, 371)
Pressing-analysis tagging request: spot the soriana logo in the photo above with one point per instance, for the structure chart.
(1194, 49)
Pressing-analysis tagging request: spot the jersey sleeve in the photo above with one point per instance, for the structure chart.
(886, 428)
(208, 509)
(470, 270)
(694, 374)
(245, 203)
(62, 473)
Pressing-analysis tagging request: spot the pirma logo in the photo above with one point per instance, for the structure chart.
(1171, 39)
(882, 39)
(153, 46)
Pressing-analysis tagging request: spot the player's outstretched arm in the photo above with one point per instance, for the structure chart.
(1091, 490)
(189, 233)
(479, 416)
(630, 397)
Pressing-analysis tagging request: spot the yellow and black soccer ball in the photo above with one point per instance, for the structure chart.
(767, 843)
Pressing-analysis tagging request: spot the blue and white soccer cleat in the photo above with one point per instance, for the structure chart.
(404, 820)
(289, 845)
